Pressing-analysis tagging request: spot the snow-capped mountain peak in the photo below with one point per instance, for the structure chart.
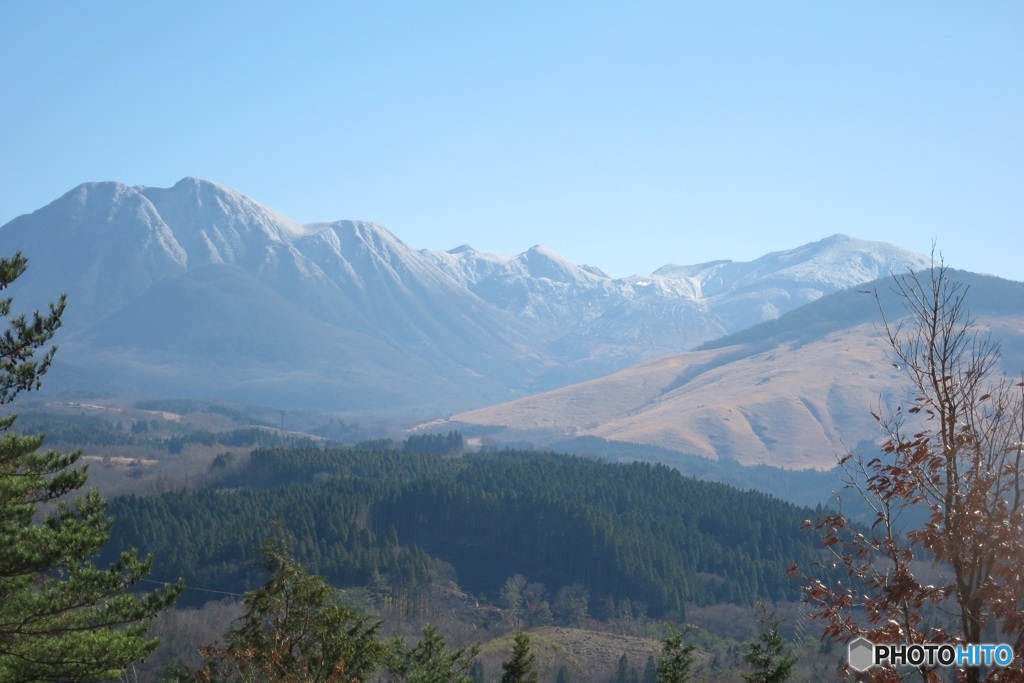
(832, 263)
(466, 265)
(490, 321)
(542, 262)
(216, 224)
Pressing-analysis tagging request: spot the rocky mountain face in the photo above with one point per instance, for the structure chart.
(199, 291)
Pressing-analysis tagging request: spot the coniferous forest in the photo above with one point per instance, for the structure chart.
(363, 516)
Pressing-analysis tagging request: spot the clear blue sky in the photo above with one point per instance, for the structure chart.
(624, 135)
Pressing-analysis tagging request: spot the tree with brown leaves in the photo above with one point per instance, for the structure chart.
(956, 453)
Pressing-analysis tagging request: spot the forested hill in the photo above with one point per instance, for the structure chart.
(364, 517)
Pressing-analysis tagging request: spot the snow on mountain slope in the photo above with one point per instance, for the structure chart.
(216, 224)
(401, 291)
(741, 294)
(519, 323)
(219, 331)
(598, 322)
(102, 243)
(537, 285)
(836, 262)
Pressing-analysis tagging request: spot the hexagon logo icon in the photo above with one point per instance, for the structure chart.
(861, 654)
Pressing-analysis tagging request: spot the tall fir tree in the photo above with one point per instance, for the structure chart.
(622, 674)
(293, 630)
(522, 667)
(676, 659)
(430, 660)
(650, 670)
(768, 654)
(61, 616)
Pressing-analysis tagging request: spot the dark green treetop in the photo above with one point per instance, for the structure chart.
(522, 668)
(768, 654)
(676, 659)
(430, 660)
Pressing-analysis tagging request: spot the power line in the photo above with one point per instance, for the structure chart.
(193, 588)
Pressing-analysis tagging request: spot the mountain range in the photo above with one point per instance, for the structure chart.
(197, 291)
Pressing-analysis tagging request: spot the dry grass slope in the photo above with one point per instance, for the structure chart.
(588, 655)
(793, 405)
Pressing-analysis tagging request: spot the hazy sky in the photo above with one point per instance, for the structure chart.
(623, 135)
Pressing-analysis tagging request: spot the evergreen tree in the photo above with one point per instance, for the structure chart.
(431, 661)
(522, 667)
(767, 653)
(676, 659)
(650, 671)
(61, 616)
(294, 630)
(563, 675)
(622, 675)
